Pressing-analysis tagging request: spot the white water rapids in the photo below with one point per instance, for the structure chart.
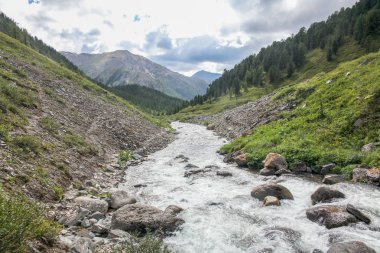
(221, 216)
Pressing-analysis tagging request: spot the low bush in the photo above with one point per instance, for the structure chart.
(22, 221)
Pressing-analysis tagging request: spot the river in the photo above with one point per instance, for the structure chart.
(220, 214)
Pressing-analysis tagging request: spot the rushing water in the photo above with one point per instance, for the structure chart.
(220, 214)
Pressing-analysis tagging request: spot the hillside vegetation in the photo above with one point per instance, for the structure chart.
(282, 60)
(148, 99)
(336, 114)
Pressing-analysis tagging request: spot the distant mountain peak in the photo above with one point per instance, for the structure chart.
(122, 67)
(209, 77)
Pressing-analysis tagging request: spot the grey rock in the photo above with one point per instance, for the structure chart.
(120, 198)
(100, 228)
(117, 234)
(97, 216)
(373, 175)
(333, 179)
(350, 247)
(302, 168)
(143, 218)
(173, 210)
(83, 245)
(358, 214)
(325, 194)
(94, 205)
(76, 218)
(140, 185)
(275, 161)
(326, 169)
(276, 190)
(211, 127)
(271, 201)
(359, 175)
(224, 173)
(192, 172)
(330, 216)
(191, 166)
(368, 147)
(282, 172)
(85, 223)
(241, 160)
(267, 172)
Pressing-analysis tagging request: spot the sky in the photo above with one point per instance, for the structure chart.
(184, 35)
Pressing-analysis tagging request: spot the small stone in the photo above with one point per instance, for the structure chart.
(173, 210)
(99, 228)
(241, 160)
(282, 172)
(83, 245)
(94, 205)
(326, 169)
(359, 215)
(224, 173)
(333, 179)
(271, 201)
(276, 190)
(191, 166)
(97, 216)
(211, 127)
(324, 195)
(368, 147)
(373, 175)
(117, 233)
(267, 172)
(85, 223)
(275, 161)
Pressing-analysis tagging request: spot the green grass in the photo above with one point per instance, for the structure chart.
(22, 221)
(28, 144)
(321, 129)
(124, 156)
(221, 104)
(149, 243)
(316, 63)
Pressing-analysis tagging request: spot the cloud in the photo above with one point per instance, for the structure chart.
(88, 40)
(285, 16)
(62, 4)
(41, 20)
(158, 39)
(108, 23)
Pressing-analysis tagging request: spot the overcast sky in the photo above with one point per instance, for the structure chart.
(183, 35)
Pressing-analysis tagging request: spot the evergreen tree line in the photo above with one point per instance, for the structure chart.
(10, 27)
(148, 99)
(281, 59)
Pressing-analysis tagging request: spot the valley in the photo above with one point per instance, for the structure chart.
(104, 150)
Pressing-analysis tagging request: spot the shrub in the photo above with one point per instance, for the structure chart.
(59, 192)
(21, 221)
(124, 156)
(28, 144)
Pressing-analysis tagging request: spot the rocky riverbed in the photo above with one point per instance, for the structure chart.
(202, 204)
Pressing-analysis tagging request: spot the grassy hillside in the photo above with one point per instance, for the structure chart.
(316, 62)
(337, 114)
(148, 99)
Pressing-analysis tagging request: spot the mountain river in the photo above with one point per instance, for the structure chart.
(221, 216)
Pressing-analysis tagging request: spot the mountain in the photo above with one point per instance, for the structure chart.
(123, 68)
(209, 77)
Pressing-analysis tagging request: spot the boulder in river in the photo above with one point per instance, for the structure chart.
(143, 218)
(373, 175)
(359, 174)
(267, 172)
(358, 214)
(241, 160)
(333, 179)
(275, 161)
(91, 204)
(330, 216)
(326, 169)
(192, 172)
(120, 198)
(173, 210)
(271, 201)
(191, 166)
(350, 247)
(276, 190)
(282, 172)
(325, 194)
(210, 127)
(224, 173)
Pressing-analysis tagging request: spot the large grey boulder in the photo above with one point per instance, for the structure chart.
(142, 218)
(350, 247)
(325, 194)
(120, 198)
(330, 216)
(275, 190)
(357, 213)
(93, 205)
